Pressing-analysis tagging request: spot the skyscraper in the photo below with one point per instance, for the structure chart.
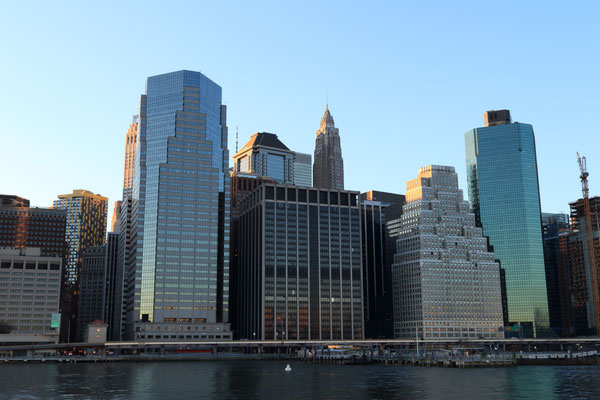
(86, 226)
(446, 282)
(300, 269)
(303, 170)
(580, 281)
(328, 169)
(180, 283)
(556, 233)
(376, 210)
(504, 194)
(266, 155)
(131, 146)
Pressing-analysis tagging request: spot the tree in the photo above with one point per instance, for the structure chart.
(5, 327)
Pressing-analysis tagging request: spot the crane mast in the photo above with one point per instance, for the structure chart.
(589, 234)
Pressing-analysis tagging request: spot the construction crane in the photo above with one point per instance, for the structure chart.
(589, 235)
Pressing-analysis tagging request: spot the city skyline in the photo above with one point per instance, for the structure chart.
(524, 81)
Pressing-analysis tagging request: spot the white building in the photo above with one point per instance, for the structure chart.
(446, 283)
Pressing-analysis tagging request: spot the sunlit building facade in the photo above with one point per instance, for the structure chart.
(328, 167)
(179, 287)
(300, 270)
(446, 284)
(504, 194)
(86, 226)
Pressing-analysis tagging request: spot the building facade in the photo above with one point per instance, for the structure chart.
(556, 232)
(92, 288)
(266, 155)
(446, 282)
(580, 283)
(23, 226)
(30, 285)
(378, 260)
(300, 269)
(504, 194)
(179, 287)
(303, 169)
(328, 168)
(86, 226)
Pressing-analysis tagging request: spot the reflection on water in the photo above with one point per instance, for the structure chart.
(267, 379)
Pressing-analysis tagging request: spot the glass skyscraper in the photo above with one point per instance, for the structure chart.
(180, 287)
(504, 195)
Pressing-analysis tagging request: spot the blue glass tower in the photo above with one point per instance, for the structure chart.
(504, 195)
(179, 286)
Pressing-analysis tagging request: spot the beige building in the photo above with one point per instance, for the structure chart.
(446, 284)
(30, 291)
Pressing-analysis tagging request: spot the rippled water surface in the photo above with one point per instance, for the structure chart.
(268, 380)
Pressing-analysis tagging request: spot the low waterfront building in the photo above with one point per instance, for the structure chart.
(446, 282)
(30, 285)
(300, 267)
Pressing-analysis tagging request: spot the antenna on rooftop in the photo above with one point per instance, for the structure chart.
(236, 138)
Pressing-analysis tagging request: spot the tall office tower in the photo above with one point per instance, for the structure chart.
(30, 292)
(114, 224)
(504, 194)
(580, 281)
(23, 226)
(446, 282)
(86, 226)
(300, 265)
(99, 298)
(377, 260)
(131, 146)
(328, 169)
(91, 289)
(556, 232)
(266, 155)
(113, 296)
(303, 170)
(180, 286)
(241, 184)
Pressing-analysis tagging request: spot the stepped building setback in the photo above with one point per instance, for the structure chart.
(179, 286)
(446, 282)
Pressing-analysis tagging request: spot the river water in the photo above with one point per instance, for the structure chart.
(268, 380)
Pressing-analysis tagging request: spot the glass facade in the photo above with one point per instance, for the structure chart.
(504, 194)
(300, 271)
(181, 177)
(303, 169)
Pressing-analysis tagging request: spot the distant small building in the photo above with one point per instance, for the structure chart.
(96, 332)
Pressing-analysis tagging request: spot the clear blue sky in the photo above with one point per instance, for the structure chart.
(405, 81)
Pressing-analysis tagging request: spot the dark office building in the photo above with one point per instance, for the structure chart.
(241, 184)
(556, 232)
(378, 249)
(112, 291)
(300, 265)
(92, 288)
(23, 226)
